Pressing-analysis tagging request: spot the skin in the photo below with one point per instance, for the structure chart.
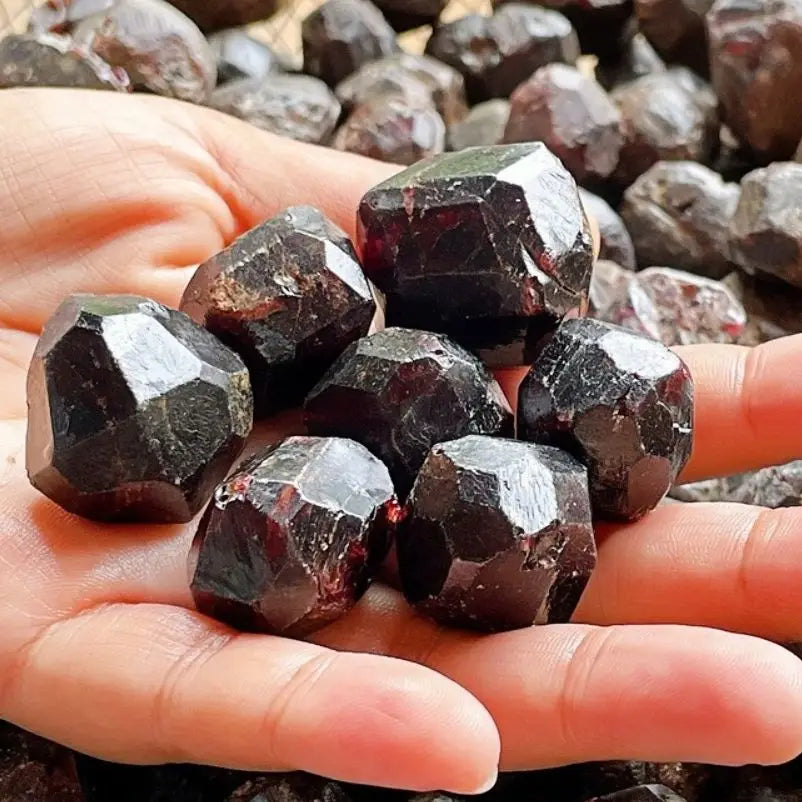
(101, 649)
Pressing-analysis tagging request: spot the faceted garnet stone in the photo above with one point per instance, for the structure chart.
(619, 401)
(498, 535)
(289, 542)
(135, 412)
(490, 245)
(288, 296)
(400, 391)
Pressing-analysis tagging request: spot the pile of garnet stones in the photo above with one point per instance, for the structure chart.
(477, 260)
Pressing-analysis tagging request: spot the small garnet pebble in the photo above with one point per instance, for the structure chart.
(619, 401)
(135, 412)
(289, 788)
(489, 245)
(400, 391)
(497, 536)
(290, 541)
(641, 793)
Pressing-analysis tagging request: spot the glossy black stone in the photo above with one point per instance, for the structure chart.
(288, 297)
(134, 411)
(412, 389)
(341, 36)
(642, 793)
(406, 14)
(289, 788)
(296, 106)
(619, 401)
(53, 60)
(497, 53)
(678, 214)
(616, 244)
(668, 116)
(393, 129)
(411, 76)
(490, 245)
(484, 125)
(35, 770)
(638, 58)
(677, 30)
(766, 229)
(572, 115)
(160, 49)
(215, 15)
(241, 56)
(497, 535)
(291, 540)
(756, 69)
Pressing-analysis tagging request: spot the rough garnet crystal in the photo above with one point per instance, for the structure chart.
(214, 15)
(35, 770)
(773, 487)
(678, 213)
(756, 68)
(679, 308)
(484, 125)
(490, 245)
(608, 289)
(341, 36)
(160, 49)
(241, 56)
(410, 389)
(620, 402)
(497, 53)
(296, 106)
(766, 230)
(573, 115)
(290, 541)
(393, 129)
(289, 788)
(638, 58)
(497, 536)
(641, 793)
(406, 14)
(52, 60)
(676, 28)
(411, 76)
(616, 244)
(666, 116)
(772, 307)
(134, 411)
(288, 297)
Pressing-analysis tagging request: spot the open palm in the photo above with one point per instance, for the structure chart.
(101, 648)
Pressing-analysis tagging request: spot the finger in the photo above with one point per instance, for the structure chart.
(142, 683)
(747, 402)
(573, 693)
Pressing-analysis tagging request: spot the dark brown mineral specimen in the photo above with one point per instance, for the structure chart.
(497, 53)
(616, 244)
(341, 36)
(620, 402)
(241, 56)
(637, 59)
(756, 67)
(215, 15)
(296, 106)
(679, 308)
(678, 214)
(406, 14)
(290, 541)
(609, 286)
(642, 793)
(766, 230)
(665, 116)
(498, 535)
(35, 770)
(52, 60)
(772, 307)
(411, 76)
(160, 49)
(484, 125)
(676, 28)
(393, 129)
(573, 115)
(289, 788)
(490, 245)
(135, 412)
(400, 391)
(288, 297)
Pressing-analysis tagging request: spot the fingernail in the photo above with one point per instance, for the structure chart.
(487, 785)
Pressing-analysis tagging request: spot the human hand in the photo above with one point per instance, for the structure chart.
(101, 647)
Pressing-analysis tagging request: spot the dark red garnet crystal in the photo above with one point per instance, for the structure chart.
(400, 391)
(641, 793)
(288, 296)
(619, 401)
(134, 411)
(497, 536)
(290, 541)
(463, 243)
